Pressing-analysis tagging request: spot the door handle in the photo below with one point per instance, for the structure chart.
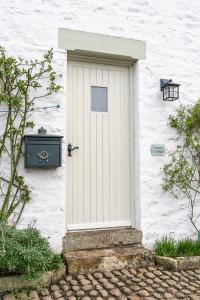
(70, 149)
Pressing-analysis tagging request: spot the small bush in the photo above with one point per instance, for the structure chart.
(167, 246)
(25, 252)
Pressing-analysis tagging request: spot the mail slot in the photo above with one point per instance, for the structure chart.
(43, 150)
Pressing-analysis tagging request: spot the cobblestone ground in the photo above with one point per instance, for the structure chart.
(133, 284)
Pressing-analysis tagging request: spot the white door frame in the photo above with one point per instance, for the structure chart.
(119, 51)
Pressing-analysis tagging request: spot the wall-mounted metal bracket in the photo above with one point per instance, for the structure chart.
(164, 82)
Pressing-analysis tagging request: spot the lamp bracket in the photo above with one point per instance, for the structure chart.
(164, 82)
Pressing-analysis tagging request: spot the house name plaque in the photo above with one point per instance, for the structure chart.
(157, 149)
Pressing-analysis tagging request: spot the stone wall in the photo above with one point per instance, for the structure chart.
(171, 30)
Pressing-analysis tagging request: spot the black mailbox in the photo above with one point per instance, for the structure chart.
(43, 150)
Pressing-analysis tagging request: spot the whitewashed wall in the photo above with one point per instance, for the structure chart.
(171, 30)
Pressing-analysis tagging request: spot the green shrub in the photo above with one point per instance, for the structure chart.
(167, 246)
(25, 252)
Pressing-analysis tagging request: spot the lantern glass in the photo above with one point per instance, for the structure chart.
(170, 92)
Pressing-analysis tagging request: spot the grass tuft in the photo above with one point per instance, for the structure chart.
(188, 247)
(167, 246)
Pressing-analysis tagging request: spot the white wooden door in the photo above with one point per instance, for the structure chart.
(99, 172)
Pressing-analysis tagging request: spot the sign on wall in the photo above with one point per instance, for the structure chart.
(157, 149)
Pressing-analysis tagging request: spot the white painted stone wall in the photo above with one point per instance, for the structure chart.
(171, 30)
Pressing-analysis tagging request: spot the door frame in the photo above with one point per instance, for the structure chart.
(88, 47)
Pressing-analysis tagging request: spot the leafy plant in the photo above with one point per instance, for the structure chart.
(25, 252)
(21, 86)
(167, 246)
(182, 173)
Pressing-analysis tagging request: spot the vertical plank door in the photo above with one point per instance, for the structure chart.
(98, 173)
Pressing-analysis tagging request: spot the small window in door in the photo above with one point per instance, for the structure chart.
(99, 99)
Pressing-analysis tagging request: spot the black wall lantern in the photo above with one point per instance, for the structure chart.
(170, 89)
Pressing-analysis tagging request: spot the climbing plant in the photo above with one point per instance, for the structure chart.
(182, 173)
(23, 84)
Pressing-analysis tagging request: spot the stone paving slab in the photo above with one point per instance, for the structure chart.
(132, 284)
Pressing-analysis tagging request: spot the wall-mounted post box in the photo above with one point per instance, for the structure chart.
(43, 150)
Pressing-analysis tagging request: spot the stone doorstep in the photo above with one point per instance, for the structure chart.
(178, 263)
(100, 239)
(107, 259)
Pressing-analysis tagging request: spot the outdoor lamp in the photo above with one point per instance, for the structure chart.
(170, 89)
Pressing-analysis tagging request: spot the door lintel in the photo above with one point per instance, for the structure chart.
(100, 45)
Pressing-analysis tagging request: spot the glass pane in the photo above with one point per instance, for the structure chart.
(99, 99)
(171, 91)
(176, 91)
(166, 92)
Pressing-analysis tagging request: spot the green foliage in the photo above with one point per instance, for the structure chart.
(21, 87)
(182, 173)
(167, 246)
(188, 247)
(25, 252)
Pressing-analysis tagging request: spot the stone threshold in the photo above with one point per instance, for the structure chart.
(114, 258)
(178, 263)
(101, 239)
